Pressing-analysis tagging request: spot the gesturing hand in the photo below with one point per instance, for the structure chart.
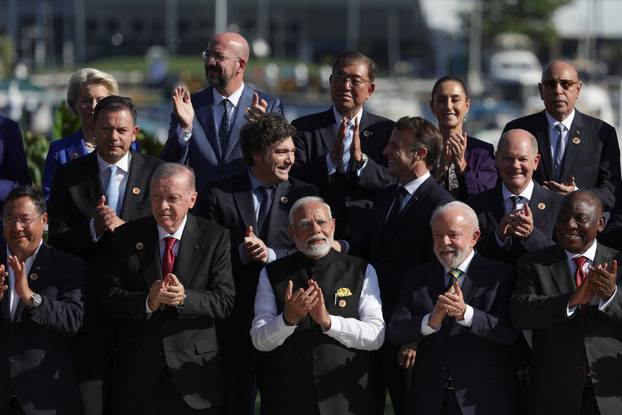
(298, 303)
(257, 108)
(256, 249)
(603, 282)
(21, 281)
(336, 153)
(318, 313)
(182, 105)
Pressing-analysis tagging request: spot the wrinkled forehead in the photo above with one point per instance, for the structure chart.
(310, 211)
(560, 70)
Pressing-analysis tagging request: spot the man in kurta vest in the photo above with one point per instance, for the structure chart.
(317, 316)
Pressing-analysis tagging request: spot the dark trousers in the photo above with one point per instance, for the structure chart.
(391, 377)
(588, 402)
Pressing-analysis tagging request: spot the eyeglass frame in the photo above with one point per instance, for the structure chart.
(343, 79)
(206, 55)
(11, 221)
(566, 84)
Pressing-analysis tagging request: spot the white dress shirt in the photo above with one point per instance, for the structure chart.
(14, 298)
(552, 122)
(120, 179)
(269, 331)
(467, 321)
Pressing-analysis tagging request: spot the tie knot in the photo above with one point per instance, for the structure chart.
(454, 273)
(559, 127)
(579, 261)
(225, 103)
(169, 241)
(112, 169)
(515, 201)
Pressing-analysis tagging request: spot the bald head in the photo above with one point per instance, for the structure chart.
(518, 136)
(234, 42)
(560, 88)
(517, 158)
(225, 62)
(559, 65)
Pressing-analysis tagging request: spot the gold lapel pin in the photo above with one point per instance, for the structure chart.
(342, 303)
(541, 206)
(284, 199)
(136, 190)
(34, 276)
(73, 156)
(139, 246)
(367, 133)
(576, 140)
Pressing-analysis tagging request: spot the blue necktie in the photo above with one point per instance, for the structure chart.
(225, 126)
(559, 151)
(112, 189)
(347, 143)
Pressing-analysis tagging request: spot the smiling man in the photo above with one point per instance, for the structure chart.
(518, 215)
(317, 316)
(576, 150)
(254, 206)
(90, 198)
(570, 295)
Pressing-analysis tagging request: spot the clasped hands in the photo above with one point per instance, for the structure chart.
(448, 304)
(356, 154)
(306, 301)
(518, 223)
(104, 218)
(168, 291)
(22, 289)
(454, 148)
(600, 281)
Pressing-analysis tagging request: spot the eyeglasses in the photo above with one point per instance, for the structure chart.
(307, 224)
(552, 83)
(25, 222)
(217, 56)
(342, 79)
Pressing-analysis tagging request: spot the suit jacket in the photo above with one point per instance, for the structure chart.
(592, 154)
(564, 347)
(202, 152)
(478, 359)
(489, 206)
(349, 195)
(185, 340)
(392, 250)
(13, 167)
(34, 346)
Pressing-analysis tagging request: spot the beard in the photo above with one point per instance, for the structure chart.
(313, 250)
(215, 77)
(452, 259)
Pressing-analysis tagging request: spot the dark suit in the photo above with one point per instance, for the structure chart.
(183, 341)
(13, 167)
(349, 195)
(592, 154)
(564, 347)
(75, 192)
(477, 359)
(489, 207)
(202, 152)
(230, 203)
(35, 361)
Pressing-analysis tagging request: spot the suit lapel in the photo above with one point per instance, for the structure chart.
(245, 101)
(135, 189)
(498, 207)
(151, 263)
(278, 210)
(328, 134)
(544, 146)
(205, 118)
(420, 193)
(573, 145)
(560, 272)
(537, 205)
(188, 255)
(244, 202)
(92, 186)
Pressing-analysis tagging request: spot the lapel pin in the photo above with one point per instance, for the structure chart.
(139, 246)
(34, 276)
(342, 303)
(576, 140)
(367, 133)
(73, 156)
(136, 190)
(541, 206)
(284, 199)
(578, 132)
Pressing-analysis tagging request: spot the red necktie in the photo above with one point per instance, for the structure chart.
(579, 275)
(169, 256)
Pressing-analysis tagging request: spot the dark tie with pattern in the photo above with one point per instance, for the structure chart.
(264, 210)
(515, 200)
(398, 201)
(453, 275)
(225, 126)
(559, 152)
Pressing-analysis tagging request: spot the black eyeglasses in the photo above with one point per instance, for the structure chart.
(342, 79)
(552, 83)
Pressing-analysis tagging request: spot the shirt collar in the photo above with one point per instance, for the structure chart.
(30, 258)
(177, 234)
(526, 193)
(123, 163)
(339, 117)
(255, 182)
(567, 122)
(411, 187)
(590, 253)
(464, 266)
(233, 98)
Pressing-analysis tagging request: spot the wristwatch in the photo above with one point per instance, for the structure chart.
(361, 163)
(180, 306)
(36, 300)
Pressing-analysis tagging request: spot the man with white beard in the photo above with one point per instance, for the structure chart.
(456, 310)
(318, 314)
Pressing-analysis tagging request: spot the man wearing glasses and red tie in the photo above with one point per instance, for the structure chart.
(577, 151)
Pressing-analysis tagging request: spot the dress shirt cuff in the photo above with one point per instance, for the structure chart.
(335, 326)
(360, 169)
(330, 166)
(94, 236)
(425, 329)
(570, 310)
(271, 255)
(147, 309)
(184, 136)
(467, 321)
(603, 304)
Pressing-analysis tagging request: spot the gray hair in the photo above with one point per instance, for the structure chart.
(89, 76)
(466, 209)
(165, 170)
(303, 201)
(533, 142)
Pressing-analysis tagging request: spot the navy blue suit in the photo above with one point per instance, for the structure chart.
(478, 359)
(202, 152)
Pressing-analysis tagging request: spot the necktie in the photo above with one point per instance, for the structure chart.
(559, 151)
(225, 126)
(169, 256)
(394, 214)
(264, 210)
(452, 179)
(515, 200)
(347, 143)
(579, 275)
(112, 189)
(453, 275)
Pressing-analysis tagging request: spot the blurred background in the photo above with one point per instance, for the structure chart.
(498, 46)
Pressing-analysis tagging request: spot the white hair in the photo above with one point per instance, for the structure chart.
(303, 201)
(470, 214)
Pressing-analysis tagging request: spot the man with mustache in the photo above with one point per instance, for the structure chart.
(205, 126)
(577, 151)
(456, 310)
(340, 150)
(254, 206)
(317, 316)
(570, 295)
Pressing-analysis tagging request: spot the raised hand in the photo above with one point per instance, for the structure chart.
(257, 108)
(21, 281)
(298, 303)
(256, 249)
(318, 313)
(602, 281)
(182, 105)
(336, 153)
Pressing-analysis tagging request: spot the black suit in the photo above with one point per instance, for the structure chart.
(489, 206)
(394, 249)
(458, 352)
(349, 195)
(592, 154)
(35, 361)
(76, 190)
(564, 347)
(182, 342)
(230, 203)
